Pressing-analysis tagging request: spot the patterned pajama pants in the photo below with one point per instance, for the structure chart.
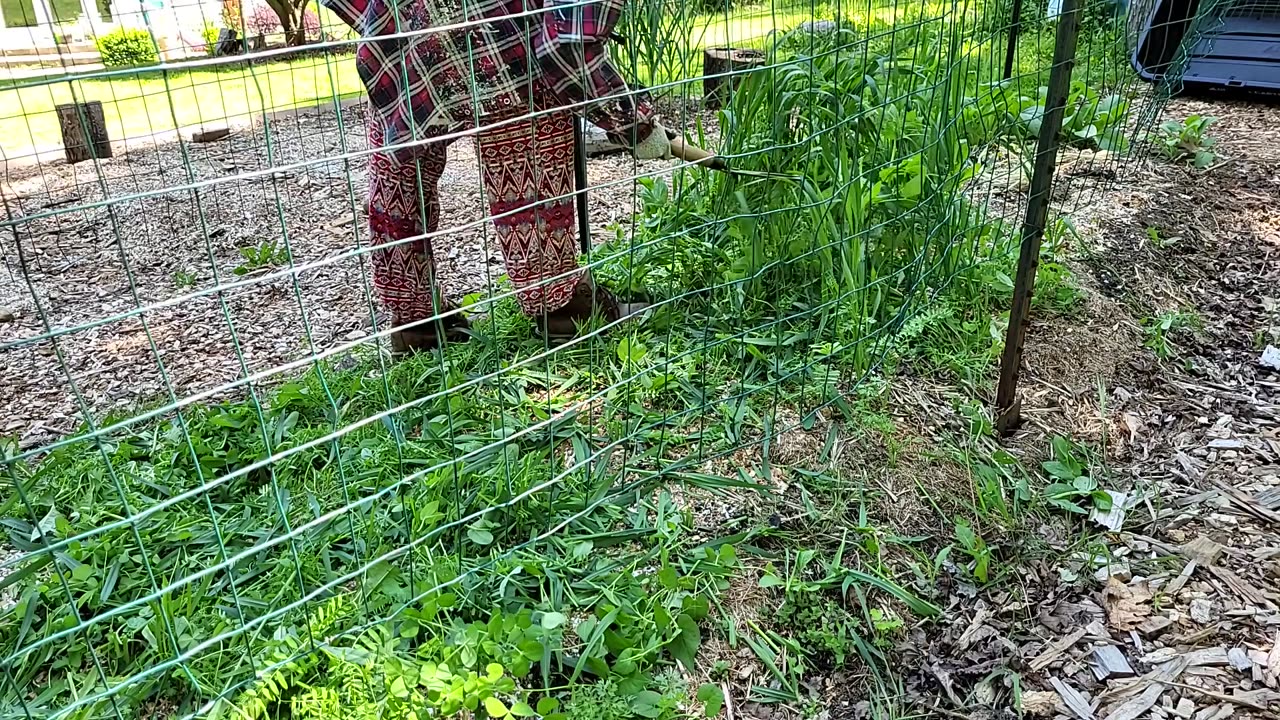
(524, 166)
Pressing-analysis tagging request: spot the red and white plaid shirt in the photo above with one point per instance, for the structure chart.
(452, 62)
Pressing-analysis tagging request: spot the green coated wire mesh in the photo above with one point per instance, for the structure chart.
(225, 497)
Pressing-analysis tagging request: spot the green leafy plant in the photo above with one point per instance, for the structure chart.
(712, 698)
(533, 484)
(1090, 119)
(209, 36)
(601, 700)
(1159, 239)
(972, 544)
(1073, 488)
(127, 47)
(1187, 141)
(184, 279)
(1159, 331)
(1003, 489)
(269, 253)
(887, 625)
(813, 625)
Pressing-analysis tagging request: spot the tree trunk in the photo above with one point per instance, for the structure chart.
(294, 29)
(84, 131)
(295, 25)
(716, 62)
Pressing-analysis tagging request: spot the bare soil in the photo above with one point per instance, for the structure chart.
(164, 221)
(1186, 589)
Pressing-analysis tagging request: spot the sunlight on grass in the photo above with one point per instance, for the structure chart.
(143, 106)
(716, 30)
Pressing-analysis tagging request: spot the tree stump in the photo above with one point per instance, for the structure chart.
(84, 131)
(716, 85)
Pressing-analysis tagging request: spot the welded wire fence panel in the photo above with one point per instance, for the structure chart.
(241, 479)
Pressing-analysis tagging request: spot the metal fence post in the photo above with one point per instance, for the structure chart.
(580, 182)
(1008, 404)
(1015, 27)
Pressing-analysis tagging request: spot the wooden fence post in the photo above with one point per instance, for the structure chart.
(1008, 404)
(84, 131)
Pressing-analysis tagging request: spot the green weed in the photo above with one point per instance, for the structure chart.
(1073, 489)
(1159, 239)
(268, 253)
(489, 529)
(1091, 119)
(184, 279)
(980, 554)
(1187, 140)
(599, 701)
(1162, 330)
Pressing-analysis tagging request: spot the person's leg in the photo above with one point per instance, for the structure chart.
(528, 177)
(404, 202)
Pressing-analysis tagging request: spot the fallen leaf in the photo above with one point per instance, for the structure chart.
(1126, 605)
(1055, 650)
(1039, 703)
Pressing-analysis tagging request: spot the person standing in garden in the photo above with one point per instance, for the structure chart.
(515, 70)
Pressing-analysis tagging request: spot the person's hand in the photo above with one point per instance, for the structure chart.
(654, 147)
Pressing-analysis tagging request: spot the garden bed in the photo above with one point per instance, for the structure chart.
(776, 493)
(95, 264)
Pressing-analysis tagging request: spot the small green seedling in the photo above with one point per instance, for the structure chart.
(184, 279)
(1074, 488)
(1186, 140)
(976, 548)
(268, 253)
(1158, 330)
(1161, 240)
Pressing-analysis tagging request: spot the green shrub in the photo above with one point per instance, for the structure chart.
(209, 34)
(127, 48)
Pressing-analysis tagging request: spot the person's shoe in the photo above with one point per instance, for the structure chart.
(426, 336)
(588, 299)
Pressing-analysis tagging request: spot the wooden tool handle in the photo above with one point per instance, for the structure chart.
(695, 154)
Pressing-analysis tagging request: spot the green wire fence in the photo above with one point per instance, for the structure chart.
(225, 498)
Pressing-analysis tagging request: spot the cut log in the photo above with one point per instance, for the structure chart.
(210, 135)
(84, 131)
(716, 63)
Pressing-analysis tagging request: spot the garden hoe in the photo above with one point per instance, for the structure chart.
(693, 154)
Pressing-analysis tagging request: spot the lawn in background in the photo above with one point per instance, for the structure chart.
(148, 104)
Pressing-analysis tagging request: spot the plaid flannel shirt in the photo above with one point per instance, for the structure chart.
(456, 59)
